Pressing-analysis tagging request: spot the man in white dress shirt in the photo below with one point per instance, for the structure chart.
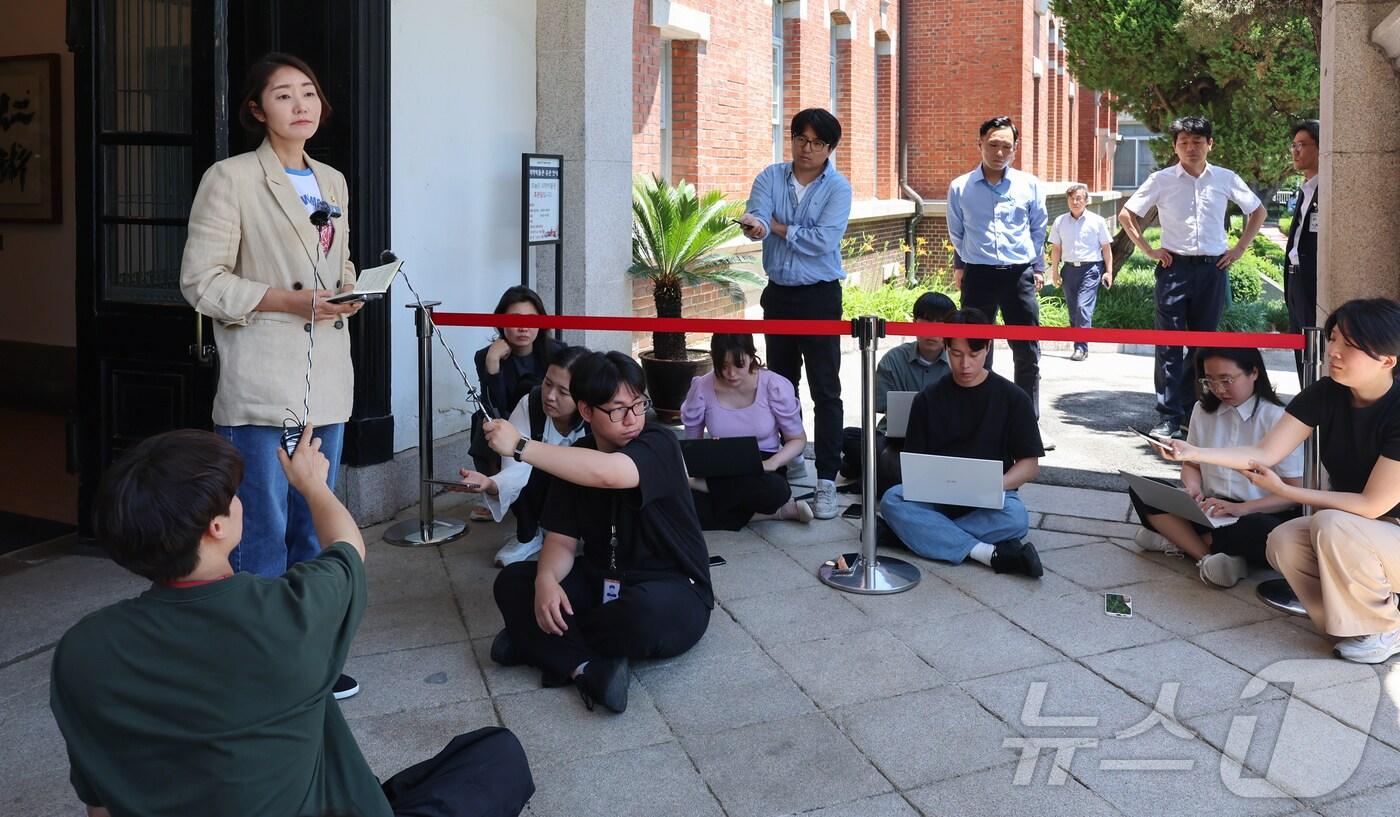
(1081, 257)
(1192, 285)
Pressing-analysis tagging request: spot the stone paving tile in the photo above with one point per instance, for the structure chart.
(1301, 749)
(1205, 682)
(726, 542)
(1065, 690)
(1077, 626)
(472, 576)
(1093, 527)
(1081, 502)
(1188, 606)
(1255, 646)
(1341, 702)
(758, 573)
(817, 532)
(927, 736)
(975, 645)
(43, 599)
(781, 767)
(992, 793)
(411, 679)
(798, 615)
(856, 667)
(553, 723)
(1002, 590)
(698, 697)
(503, 680)
(401, 574)
(650, 781)
(1045, 540)
(723, 636)
(23, 677)
(417, 734)
(33, 760)
(409, 624)
(929, 601)
(1379, 801)
(885, 805)
(1102, 566)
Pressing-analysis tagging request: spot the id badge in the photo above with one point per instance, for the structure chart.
(612, 588)
(1312, 223)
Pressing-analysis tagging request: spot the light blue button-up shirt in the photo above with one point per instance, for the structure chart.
(997, 225)
(811, 252)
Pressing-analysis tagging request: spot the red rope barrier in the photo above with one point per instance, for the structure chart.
(1145, 337)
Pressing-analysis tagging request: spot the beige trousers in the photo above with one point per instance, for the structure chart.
(1345, 569)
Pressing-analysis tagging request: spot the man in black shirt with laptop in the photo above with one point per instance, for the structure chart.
(978, 414)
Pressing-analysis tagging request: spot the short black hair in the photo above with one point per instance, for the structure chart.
(999, 122)
(725, 347)
(1311, 126)
(1249, 360)
(969, 315)
(1194, 125)
(595, 377)
(933, 307)
(822, 122)
(156, 501)
(565, 356)
(1370, 324)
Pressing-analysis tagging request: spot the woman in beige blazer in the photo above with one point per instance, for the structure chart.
(255, 263)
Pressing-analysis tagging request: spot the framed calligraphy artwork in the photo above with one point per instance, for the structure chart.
(31, 166)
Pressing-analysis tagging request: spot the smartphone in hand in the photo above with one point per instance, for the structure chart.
(1160, 442)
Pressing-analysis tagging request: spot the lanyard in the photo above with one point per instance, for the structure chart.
(612, 538)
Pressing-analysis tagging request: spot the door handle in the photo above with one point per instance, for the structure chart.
(203, 353)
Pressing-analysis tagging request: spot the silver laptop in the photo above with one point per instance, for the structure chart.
(1174, 501)
(952, 480)
(897, 405)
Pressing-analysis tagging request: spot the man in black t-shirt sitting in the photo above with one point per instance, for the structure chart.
(978, 414)
(624, 571)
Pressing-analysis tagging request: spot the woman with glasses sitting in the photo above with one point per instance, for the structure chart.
(1237, 408)
(741, 398)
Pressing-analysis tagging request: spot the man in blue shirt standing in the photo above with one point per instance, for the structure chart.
(997, 225)
(799, 210)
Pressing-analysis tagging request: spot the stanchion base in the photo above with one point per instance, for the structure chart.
(1277, 594)
(412, 533)
(891, 575)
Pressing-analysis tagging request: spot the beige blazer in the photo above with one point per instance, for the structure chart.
(249, 231)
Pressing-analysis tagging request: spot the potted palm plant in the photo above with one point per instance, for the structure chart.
(677, 241)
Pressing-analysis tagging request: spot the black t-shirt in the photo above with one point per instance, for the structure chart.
(990, 421)
(657, 529)
(1352, 438)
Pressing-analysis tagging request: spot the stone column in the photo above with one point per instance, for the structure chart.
(1360, 162)
(584, 112)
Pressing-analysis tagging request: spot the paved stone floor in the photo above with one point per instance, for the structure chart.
(804, 700)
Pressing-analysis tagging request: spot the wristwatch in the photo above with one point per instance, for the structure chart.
(520, 447)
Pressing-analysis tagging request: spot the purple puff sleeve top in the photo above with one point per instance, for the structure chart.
(774, 413)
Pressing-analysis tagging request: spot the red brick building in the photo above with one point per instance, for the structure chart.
(715, 83)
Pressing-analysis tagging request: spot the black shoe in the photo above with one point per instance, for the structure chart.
(503, 650)
(885, 536)
(1015, 556)
(604, 681)
(1079, 354)
(1167, 430)
(345, 687)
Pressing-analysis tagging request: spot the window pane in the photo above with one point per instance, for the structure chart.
(142, 263)
(1125, 164)
(146, 181)
(146, 73)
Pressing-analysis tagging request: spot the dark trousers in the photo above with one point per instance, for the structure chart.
(1081, 282)
(1247, 537)
(1300, 294)
(1190, 295)
(732, 501)
(821, 353)
(887, 450)
(1012, 291)
(480, 774)
(529, 506)
(651, 617)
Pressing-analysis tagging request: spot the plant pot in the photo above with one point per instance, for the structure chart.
(668, 381)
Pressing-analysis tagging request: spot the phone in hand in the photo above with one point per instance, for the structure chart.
(1160, 442)
(458, 484)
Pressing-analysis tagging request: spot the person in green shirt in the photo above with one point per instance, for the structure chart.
(210, 693)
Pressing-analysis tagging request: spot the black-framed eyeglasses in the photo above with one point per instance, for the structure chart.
(638, 408)
(1209, 383)
(800, 142)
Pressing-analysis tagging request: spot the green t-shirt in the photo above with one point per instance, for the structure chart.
(216, 699)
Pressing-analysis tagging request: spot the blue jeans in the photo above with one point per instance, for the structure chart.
(928, 531)
(277, 527)
(1081, 294)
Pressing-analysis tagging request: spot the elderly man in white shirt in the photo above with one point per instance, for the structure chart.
(1191, 197)
(1081, 257)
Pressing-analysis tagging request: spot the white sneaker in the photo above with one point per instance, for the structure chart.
(516, 551)
(797, 470)
(824, 503)
(1369, 649)
(1222, 569)
(1153, 541)
(796, 511)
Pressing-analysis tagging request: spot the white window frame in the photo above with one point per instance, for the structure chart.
(665, 117)
(835, 74)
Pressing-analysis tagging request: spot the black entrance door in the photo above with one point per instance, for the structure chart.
(155, 82)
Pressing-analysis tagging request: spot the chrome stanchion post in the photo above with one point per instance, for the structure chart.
(426, 530)
(864, 572)
(1276, 593)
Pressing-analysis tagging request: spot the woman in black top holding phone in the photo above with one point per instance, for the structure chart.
(1340, 560)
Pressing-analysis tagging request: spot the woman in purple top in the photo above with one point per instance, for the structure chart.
(741, 398)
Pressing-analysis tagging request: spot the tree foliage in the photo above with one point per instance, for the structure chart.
(1250, 66)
